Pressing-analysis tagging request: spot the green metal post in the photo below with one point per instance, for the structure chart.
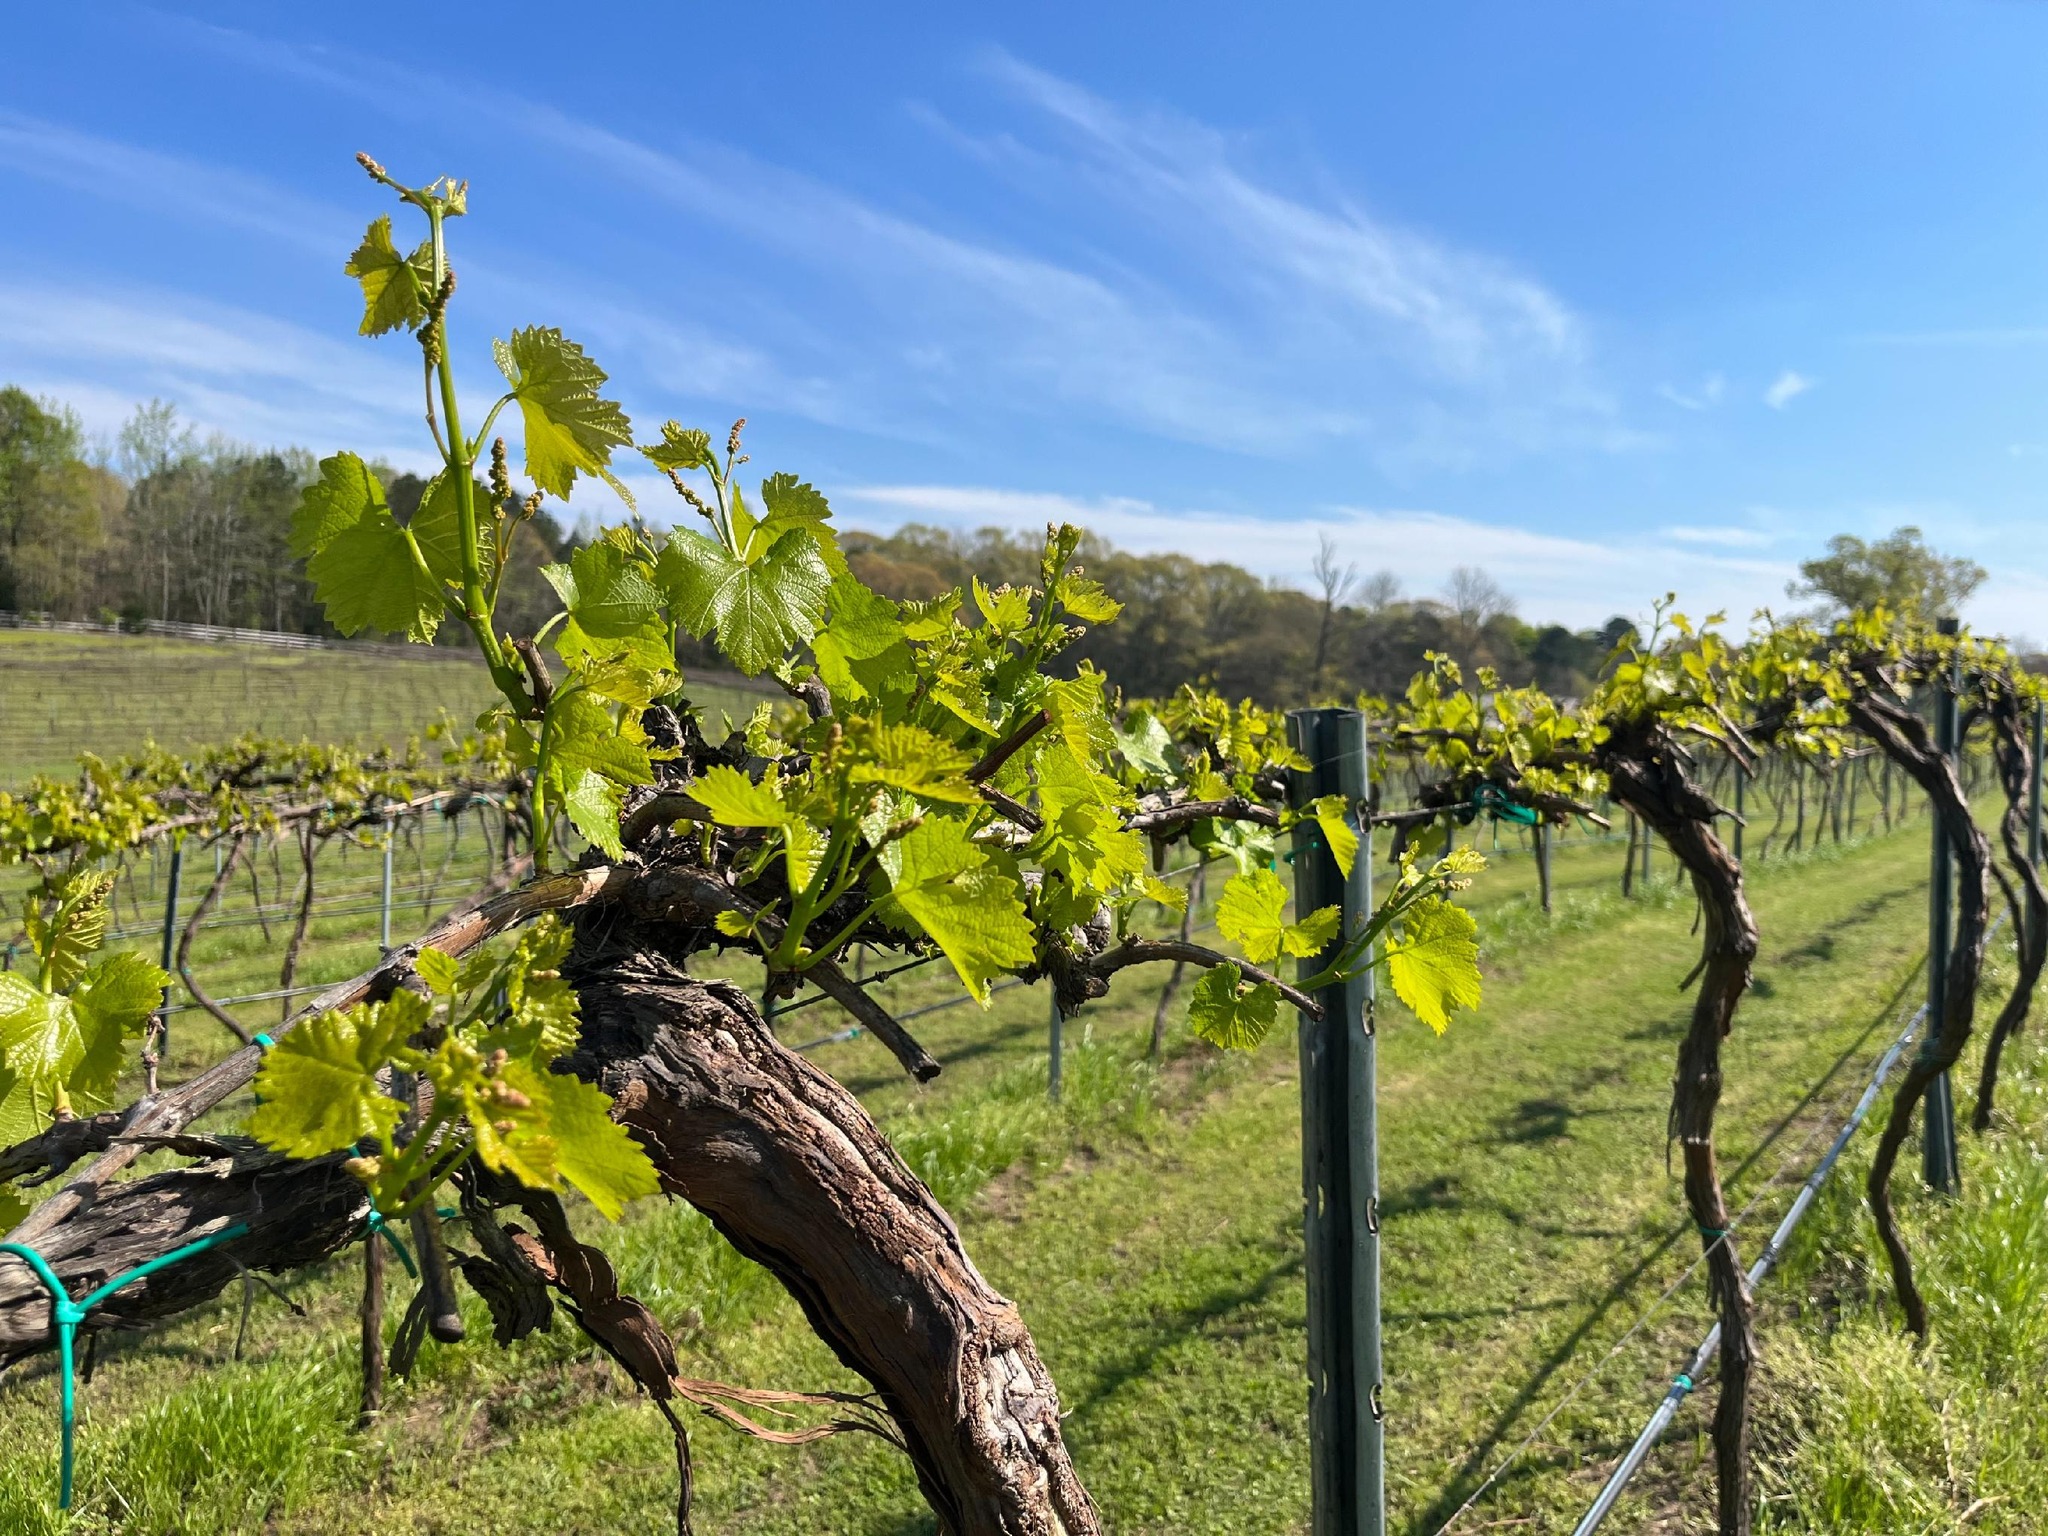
(1741, 780)
(1340, 1156)
(1055, 1048)
(170, 945)
(384, 918)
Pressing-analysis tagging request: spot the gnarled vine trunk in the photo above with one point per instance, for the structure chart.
(1648, 778)
(791, 1169)
(1904, 738)
(2014, 751)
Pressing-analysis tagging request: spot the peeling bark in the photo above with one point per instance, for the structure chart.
(791, 1169)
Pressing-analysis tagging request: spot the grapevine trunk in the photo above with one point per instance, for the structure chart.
(796, 1175)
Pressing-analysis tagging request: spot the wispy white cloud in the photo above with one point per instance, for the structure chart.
(230, 370)
(1705, 397)
(1569, 580)
(188, 189)
(1787, 387)
(1729, 537)
(1231, 314)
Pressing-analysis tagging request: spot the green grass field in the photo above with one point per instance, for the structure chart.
(63, 694)
(1150, 1228)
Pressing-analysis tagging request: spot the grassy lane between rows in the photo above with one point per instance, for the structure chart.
(1150, 1228)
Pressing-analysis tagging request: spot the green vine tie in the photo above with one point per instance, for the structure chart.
(66, 1315)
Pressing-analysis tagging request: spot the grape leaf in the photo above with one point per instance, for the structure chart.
(1250, 912)
(65, 934)
(680, 448)
(1005, 609)
(441, 972)
(39, 1043)
(437, 528)
(944, 883)
(862, 627)
(760, 610)
(908, 757)
(737, 801)
(570, 428)
(360, 561)
(319, 1084)
(593, 1152)
(396, 288)
(593, 803)
(1332, 814)
(1145, 744)
(1086, 600)
(793, 503)
(1434, 965)
(611, 597)
(1229, 1014)
(75, 1045)
(113, 1004)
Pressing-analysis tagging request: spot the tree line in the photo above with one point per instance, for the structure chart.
(161, 524)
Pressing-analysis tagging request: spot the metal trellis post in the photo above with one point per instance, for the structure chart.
(1055, 1047)
(1938, 1147)
(1741, 779)
(170, 943)
(384, 919)
(1340, 1155)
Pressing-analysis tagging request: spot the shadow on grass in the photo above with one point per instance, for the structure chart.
(1478, 1459)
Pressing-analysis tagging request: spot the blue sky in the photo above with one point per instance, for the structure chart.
(1606, 298)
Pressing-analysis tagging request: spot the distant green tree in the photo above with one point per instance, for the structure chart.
(55, 509)
(1899, 571)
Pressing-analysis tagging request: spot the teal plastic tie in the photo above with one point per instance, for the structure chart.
(66, 1315)
(1682, 1381)
(375, 1226)
(1491, 797)
(262, 1041)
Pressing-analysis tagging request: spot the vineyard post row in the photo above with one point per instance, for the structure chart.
(173, 888)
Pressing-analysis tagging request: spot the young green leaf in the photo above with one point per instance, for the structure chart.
(1434, 964)
(1332, 815)
(680, 448)
(760, 610)
(112, 1004)
(396, 288)
(1251, 913)
(319, 1084)
(944, 884)
(1226, 1012)
(612, 596)
(570, 428)
(38, 1044)
(360, 561)
(737, 801)
(442, 973)
(593, 1152)
(793, 503)
(66, 932)
(1086, 600)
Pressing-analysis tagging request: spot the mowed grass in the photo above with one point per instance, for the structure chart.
(63, 694)
(1150, 1228)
